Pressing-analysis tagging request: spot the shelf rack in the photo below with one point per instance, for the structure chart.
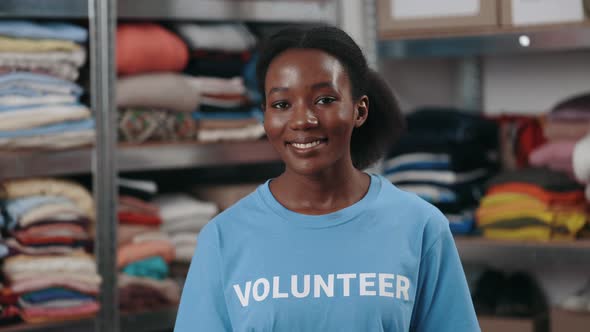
(299, 11)
(137, 158)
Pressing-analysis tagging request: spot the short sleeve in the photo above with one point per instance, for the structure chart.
(202, 305)
(443, 302)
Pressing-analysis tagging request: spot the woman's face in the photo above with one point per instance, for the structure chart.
(309, 112)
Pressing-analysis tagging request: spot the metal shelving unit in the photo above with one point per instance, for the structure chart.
(300, 11)
(137, 158)
(488, 42)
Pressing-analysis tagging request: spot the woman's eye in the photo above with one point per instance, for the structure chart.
(325, 100)
(280, 105)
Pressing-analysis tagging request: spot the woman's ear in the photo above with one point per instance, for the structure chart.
(361, 111)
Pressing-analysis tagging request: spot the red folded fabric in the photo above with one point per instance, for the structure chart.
(572, 198)
(126, 217)
(148, 47)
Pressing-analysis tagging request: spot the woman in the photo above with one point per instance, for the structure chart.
(326, 246)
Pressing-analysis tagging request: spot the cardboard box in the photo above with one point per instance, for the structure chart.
(395, 16)
(539, 12)
(507, 324)
(568, 321)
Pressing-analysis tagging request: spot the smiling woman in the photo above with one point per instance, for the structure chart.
(326, 246)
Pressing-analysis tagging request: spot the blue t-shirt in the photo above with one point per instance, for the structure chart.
(385, 263)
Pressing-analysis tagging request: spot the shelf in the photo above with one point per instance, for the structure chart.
(475, 248)
(190, 155)
(153, 321)
(486, 41)
(137, 158)
(65, 326)
(45, 163)
(299, 11)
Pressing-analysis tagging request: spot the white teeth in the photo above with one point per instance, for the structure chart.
(306, 145)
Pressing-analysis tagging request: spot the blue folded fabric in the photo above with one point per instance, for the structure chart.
(50, 129)
(419, 165)
(15, 208)
(151, 267)
(254, 113)
(55, 293)
(4, 109)
(46, 30)
(21, 79)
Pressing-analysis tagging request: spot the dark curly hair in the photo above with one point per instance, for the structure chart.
(384, 123)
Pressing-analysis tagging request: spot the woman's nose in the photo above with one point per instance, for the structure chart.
(303, 118)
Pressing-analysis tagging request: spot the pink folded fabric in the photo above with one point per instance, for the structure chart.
(132, 252)
(50, 314)
(556, 155)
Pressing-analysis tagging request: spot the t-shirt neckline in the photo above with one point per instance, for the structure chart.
(324, 220)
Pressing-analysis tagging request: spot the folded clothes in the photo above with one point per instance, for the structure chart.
(40, 83)
(182, 206)
(127, 217)
(253, 113)
(53, 229)
(143, 125)
(45, 30)
(15, 248)
(541, 177)
(35, 116)
(41, 314)
(61, 64)
(47, 211)
(572, 197)
(58, 303)
(217, 63)
(55, 141)
(148, 47)
(16, 207)
(151, 267)
(431, 193)
(10, 102)
(166, 91)
(69, 126)
(73, 263)
(184, 253)
(137, 298)
(127, 232)
(8, 44)
(54, 293)
(222, 36)
(134, 204)
(436, 176)
(167, 288)
(215, 85)
(251, 132)
(192, 224)
(132, 252)
(154, 235)
(581, 159)
(212, 124)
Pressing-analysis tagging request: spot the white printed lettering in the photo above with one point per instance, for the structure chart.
(346, 282)
(276, 292)
(318, 282)
(265, 290)
(244, 297)
(364, 283)
(402, 286)
(383, 284)
(306, 287)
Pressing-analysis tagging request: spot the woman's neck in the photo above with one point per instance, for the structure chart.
(323, 193)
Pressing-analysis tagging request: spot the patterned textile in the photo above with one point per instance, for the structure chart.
(142, 125)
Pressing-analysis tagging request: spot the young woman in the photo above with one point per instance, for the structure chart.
(326, 246)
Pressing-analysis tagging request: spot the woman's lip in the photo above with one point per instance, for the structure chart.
(307, 147)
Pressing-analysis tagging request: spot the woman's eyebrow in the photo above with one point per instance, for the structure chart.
(277, 89)
(320, 85)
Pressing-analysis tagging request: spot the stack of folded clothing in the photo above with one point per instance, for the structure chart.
(566, 124)
(49, 269)
(144, 252)
(154, 100)
(532, 204)
(445, 157)
(39, 101)
(182, 219)
(220, 54)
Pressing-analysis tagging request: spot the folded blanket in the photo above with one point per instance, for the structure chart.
(127, 232)
(16, 207)
(73, 263)
(181, 206)
(215, 85)
(581, 159)
(38, 83)
(34, 116)
(133, 204)
(148, 47)
(8, 102)
(140, 125)
(251, 132)
(45, 30)
(132, 252)
(225, 37)
(8, 44)
(151, 267)
(167, 91)
(56, 141)
(50, 129)
(63, 280)
(16, 248)
(167, 289)
(41, 315)
(58, 303)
